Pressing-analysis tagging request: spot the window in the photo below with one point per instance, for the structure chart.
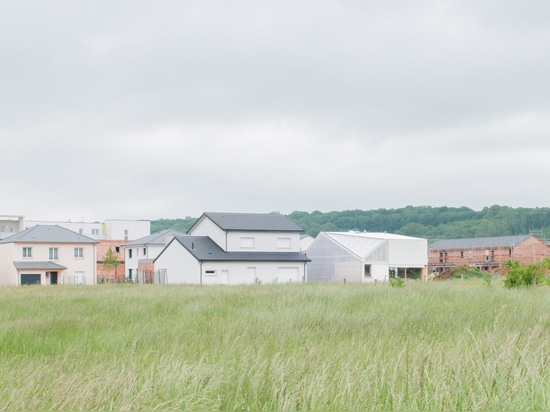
(284, 243)
(27, 252)
(1, 229)
(95, 231)
(247, 242)
(53, 253)
(367, 271)
(117, 249)
(80, 231)
(461, 253)
(210, 273)
(129, 253)
(126, 234)
(78, 252)
(144, 251)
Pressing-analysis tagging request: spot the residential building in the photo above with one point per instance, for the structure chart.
(139, 254)
(111, 234)
(47, 255)
(366, 257)
(234, 248)
(10, 224)
(486, 253)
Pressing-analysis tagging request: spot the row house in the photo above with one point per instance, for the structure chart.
(486, 253)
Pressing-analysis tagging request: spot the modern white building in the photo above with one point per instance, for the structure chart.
(366, 257)
(10, 224)
(144, 249)
(235, 248)
(47, 255)
(112, 229)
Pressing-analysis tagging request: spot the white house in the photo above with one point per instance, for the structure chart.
(47, 255)
(235, 248)
(145, 248)
(365, 257)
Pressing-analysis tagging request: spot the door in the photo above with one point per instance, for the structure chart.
(53, 278)
(30, 279)
(224, 277)
(251, 274)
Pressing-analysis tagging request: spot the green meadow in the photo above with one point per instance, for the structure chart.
(457, 345)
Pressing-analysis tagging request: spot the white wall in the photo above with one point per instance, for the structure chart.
(412, 252)
(180, 265)
(127, 229)
(263, 241)
(248, 272)
(205, 227)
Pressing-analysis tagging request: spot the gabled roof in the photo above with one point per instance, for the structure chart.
(479, 242)
(205, 249)
(38, 265)
(48, 234)
(253, 222)
(157, 238)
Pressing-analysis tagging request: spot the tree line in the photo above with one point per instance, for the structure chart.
(418, 221)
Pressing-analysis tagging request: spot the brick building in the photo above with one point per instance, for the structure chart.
(486, 253)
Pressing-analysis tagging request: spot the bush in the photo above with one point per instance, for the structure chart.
(525, 275)
(397, 282)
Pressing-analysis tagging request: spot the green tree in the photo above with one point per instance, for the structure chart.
(110, 261)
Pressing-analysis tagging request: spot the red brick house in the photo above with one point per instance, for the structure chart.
(485, 253)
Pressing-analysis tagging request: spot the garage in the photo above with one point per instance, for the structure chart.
(30, 279)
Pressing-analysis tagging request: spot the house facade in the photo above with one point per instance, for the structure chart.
(140, 253)
(47, 255)
(234, 248)
(366, 257)
(486, 253)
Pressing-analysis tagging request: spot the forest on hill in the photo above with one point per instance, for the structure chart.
(419, 221)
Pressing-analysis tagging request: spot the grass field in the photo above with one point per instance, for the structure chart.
(456, 345)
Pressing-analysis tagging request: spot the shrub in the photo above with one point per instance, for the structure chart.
(524, 275)
(397, 282)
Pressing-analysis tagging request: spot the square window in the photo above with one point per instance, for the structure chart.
(27, 252)
(78, 252)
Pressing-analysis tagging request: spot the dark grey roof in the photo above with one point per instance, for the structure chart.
(206, 250)
(38, 265)
(479, 242)
(157, 238)
(255, 222)
(48, 234)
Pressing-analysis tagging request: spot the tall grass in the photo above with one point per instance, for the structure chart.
(448, 346)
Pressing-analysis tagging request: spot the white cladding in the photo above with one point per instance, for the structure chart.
(363, 257)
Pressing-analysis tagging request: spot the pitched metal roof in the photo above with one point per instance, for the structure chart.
(48, 234)
(206, 250)
(38, 265)
(157, 238)
(256, 222)
(479, 242)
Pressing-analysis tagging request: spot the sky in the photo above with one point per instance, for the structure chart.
(130, 109)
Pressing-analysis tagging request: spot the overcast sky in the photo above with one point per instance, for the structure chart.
(165, 109)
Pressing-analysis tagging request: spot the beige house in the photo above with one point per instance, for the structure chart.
(47, 255)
